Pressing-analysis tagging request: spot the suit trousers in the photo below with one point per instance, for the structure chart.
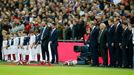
(45, 52)
(118, 55)
(94, 55)
(54, 53)
(104, 55)
(112, 55)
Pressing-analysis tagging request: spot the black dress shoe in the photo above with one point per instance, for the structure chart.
(110, 65)
(95, 65)
(105, 65)
(57, 62)
(52, 62)
(130, 66)
(101, 65)
(126, 67)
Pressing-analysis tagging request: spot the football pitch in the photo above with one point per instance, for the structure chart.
(62, 70)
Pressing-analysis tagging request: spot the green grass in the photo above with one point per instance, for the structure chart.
(62, 70)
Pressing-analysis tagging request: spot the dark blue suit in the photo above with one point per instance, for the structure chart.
(117, 40)
(44, 36)
(130, 50)
(54, 44)
(125, 47)
(93, 42)
(110, 40)
(102, 40)
(26, 40)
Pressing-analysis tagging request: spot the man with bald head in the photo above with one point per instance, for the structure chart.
(102, 43)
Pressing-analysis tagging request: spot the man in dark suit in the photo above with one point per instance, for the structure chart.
(117, 42)
(130, 50)
(110, 42)
(102, 44)
(125, 45)
(44, 36)
(1, 40)
(54, 43)
(93, 42)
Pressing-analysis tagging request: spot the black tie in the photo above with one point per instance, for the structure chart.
(19, 42)
(12, 42)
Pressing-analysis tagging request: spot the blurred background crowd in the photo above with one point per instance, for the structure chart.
(72, 17)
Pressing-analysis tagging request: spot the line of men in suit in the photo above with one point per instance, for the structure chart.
(49, 35)
(117, 38)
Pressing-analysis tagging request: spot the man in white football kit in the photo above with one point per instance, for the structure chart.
(4, 49)
(14, 47)
(26, 49)
(20, 47)
(31, 47)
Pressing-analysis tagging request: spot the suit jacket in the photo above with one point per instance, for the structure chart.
(110, 33)
(125, 37)
(46, 35)
(103, 39)
(118, 34)
(26, 40)
(130, 44)
(93, 41)
(54, 37)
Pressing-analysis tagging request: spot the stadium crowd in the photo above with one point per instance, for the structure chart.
(102, 24)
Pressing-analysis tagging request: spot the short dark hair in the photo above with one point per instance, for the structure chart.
(54, 24)
(125, 23)
(111, 20)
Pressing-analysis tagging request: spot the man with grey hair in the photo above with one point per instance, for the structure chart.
(102, 44)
